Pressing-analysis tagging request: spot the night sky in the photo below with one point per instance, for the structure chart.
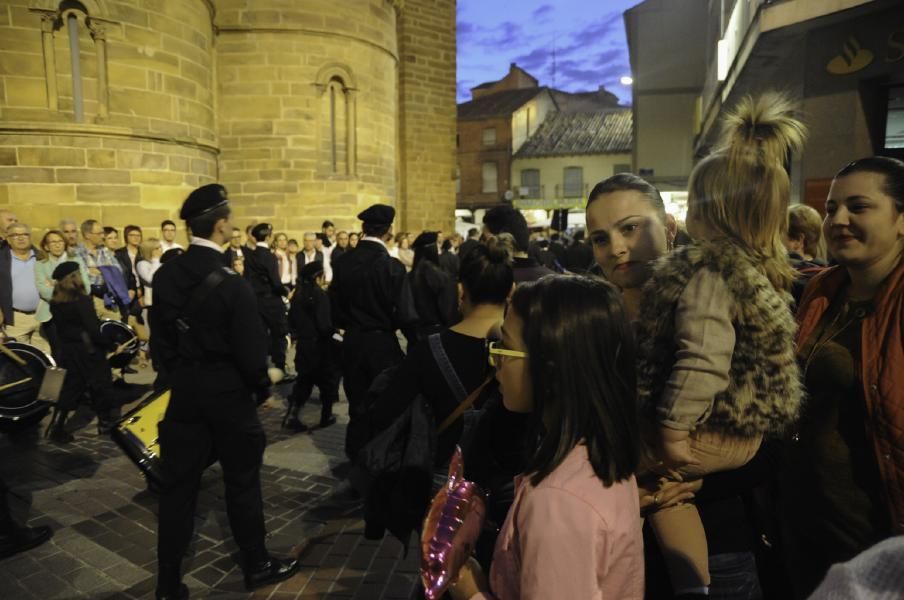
(588, 37)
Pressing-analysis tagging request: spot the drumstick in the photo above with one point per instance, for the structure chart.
(15, 357)
(14, 384)
(122, 347)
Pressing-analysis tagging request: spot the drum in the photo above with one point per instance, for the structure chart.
(125, 339)
(136, 434)
(20, 381)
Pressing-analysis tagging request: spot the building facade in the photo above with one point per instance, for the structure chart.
(308, 110)
(570, 153)
(842, 61)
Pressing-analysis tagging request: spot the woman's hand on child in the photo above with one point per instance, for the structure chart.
(471, 580)
(659, 492)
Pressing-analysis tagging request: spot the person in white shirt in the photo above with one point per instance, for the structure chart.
(288, 272)
(168, 231)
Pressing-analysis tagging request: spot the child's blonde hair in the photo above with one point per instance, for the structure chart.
(805, 221)
(741, 191)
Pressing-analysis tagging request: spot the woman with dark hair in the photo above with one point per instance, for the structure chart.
(82, 352)
(629, 230)
(845, 469)
(435, 297)
(573, 530)
(450, 364)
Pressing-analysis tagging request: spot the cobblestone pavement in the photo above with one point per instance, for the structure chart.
(104, 521)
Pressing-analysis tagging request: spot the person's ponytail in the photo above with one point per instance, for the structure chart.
(742, 191)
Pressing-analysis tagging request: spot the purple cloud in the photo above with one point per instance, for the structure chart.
(535, 59)
(542, 13)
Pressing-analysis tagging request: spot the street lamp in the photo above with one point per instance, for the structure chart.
(626, 80)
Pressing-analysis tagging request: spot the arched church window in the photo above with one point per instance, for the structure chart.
(337, 121)
(75, 65)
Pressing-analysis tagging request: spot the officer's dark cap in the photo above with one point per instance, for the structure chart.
(425, 239)
(261, 231)
(311, 271)
(64, 268)
(204, 200)
(378, 214)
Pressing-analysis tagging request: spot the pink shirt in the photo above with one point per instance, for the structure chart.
(570, 537)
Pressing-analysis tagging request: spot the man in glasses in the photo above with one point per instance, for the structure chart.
(18, 288)
(236, 249)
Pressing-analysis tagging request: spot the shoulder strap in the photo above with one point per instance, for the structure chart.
(463, 406)
(445, 366)
(201, 293)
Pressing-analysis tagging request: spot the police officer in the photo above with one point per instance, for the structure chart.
(262, 272)
(214, 347)
(370, 300)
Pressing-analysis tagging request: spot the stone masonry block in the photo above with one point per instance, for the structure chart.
(8, 156)
(92, 176)
(101, 159)
(52, 157)
(108, 194)
(27, 195)
(26, 91)
(26, 175)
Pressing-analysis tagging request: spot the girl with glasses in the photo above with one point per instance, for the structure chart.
(574, 529)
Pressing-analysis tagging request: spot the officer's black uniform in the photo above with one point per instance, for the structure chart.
(214, 347)
(370, 300)
(262, 271)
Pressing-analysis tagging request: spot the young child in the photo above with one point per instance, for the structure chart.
(82, 352)
(717, 363)
(316, 350)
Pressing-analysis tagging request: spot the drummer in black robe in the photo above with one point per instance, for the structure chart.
(81, 351)
(371, 300)
(209, 336)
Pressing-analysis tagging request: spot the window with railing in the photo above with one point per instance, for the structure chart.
(530, 183)
(573, 182)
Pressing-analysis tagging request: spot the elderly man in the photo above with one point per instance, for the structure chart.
(19, 296)
(69, 228)
(109, 285)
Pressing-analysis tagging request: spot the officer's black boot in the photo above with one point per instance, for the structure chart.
(56, 431)
(169, 583)
(264, 571)
(291, 420)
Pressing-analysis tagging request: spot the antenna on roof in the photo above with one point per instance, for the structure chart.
(554, 64)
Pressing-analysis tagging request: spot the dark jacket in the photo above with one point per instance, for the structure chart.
(299, 259)
(369, 291)
(6, 285)
(529, 269)
(229, 255)
(310, 320)
(262, 273)
(225, 332)
(466, 246)
(579, 257)
(449, 263)
(435, 296)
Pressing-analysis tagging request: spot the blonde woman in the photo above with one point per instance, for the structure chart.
(805, 240)
(717, 368)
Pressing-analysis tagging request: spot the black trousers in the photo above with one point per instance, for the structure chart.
(6, 519)
(320, 370)
(364, 356)
(273, 312)
(207, 415)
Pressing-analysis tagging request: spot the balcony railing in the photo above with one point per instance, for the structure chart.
(572, 190)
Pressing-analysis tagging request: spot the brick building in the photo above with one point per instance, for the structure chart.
(498, 120)
(114, 110)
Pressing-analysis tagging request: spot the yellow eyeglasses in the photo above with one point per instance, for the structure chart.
(496, 351)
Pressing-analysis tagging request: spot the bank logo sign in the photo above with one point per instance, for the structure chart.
(853, 58)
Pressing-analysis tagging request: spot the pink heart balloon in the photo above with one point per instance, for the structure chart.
(450, 530)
